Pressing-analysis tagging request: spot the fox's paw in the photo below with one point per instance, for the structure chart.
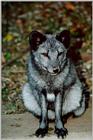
(41, 132)
(61, 132)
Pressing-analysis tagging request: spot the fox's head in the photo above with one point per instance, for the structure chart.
(49, 51)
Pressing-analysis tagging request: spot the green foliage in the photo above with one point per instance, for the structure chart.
(10, 108)
(5, 93)
(7, 56)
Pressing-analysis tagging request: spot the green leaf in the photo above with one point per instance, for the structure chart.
(8, 37)
(7, 56)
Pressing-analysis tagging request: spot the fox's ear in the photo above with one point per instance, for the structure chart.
(64, 37)
(35, 39)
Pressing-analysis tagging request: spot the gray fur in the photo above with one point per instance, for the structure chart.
(41, 76)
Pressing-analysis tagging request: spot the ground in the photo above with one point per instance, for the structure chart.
(23, 126)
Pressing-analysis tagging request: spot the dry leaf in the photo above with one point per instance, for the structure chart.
(69, 6)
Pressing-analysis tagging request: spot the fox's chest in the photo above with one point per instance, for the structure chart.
(50, 82)
(51, 97)
(50, 92)
(51, 88)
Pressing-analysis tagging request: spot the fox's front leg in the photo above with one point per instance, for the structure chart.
(59, 126)
(43, 127)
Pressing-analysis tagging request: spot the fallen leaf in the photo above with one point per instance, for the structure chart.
(15, 125)
(69, 6)
(50, 129)
(8, 37)
(7, 55)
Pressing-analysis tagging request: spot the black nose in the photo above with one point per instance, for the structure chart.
(56, 70)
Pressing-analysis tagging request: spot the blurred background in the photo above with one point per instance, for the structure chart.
(19, 19)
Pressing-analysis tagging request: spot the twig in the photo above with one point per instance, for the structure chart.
(17, 57)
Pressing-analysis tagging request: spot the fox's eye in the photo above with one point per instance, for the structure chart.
(45, 54)
(60, 53)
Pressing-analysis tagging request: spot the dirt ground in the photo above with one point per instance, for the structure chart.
(23, 126)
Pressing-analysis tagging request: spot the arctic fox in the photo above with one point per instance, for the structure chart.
(53, 88)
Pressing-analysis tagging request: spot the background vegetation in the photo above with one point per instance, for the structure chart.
(19, 19)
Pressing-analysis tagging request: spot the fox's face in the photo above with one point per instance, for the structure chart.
(49, 51)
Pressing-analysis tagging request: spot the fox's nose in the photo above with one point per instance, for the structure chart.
(56, 70)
